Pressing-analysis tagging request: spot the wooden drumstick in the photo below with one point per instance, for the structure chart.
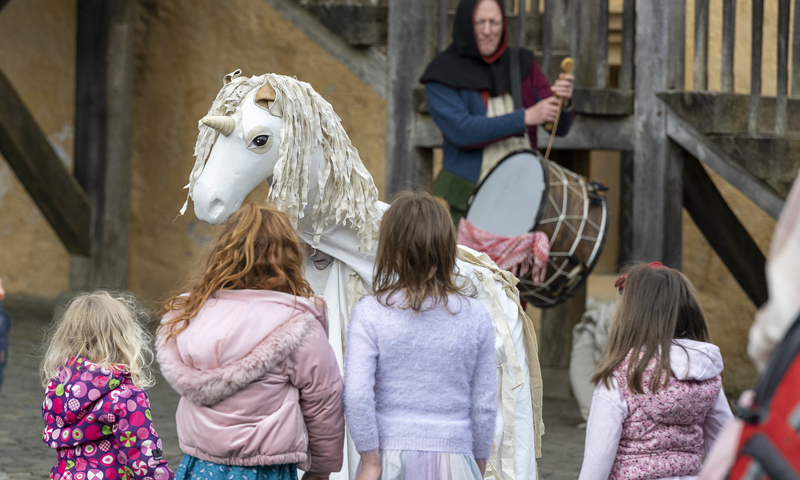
(566, 65)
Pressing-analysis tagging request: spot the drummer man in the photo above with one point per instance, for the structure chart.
(468, 90)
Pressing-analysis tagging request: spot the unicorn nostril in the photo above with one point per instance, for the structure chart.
(216, 208)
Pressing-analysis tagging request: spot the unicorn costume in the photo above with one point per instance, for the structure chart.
(273, 126)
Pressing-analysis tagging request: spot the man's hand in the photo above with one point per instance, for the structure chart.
(370, 467)
(564, 86)
(542, 112)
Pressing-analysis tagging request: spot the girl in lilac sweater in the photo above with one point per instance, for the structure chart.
(420, 377)
(659, 405)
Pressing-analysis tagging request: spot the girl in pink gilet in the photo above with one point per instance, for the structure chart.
(658, 405)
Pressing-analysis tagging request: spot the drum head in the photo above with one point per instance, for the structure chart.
(509, 199)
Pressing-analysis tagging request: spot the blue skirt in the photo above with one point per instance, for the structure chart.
(192, 468)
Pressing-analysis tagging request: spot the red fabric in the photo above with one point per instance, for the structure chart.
(620, 283)
(518, 254)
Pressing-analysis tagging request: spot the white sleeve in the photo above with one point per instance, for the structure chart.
(716, 419)
(603, 431)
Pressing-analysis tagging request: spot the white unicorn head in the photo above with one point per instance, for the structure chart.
(276, 126)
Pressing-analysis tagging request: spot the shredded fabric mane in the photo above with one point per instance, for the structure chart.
(347, 193)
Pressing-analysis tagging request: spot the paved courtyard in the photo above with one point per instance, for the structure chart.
(23, 455)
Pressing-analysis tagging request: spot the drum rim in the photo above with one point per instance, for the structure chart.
(589, 265)
(545, 177)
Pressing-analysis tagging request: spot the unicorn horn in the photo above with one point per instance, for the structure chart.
(222, 124)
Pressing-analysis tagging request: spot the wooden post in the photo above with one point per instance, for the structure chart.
(700, 74)
(103, 137)
(728, 38)
(783, 66)
(555, 37)
(588, 62)
(755, 66)
(411, 48)
(628, 36)
(602, 43)
(657, 210)
(625, 252)
(796, 51)
(522, 29)
(442, 28)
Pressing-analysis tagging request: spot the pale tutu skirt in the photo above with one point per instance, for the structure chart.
(414, 465)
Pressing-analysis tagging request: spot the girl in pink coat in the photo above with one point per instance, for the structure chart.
(247, 348)
(659, 405)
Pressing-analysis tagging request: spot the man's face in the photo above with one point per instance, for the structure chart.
(488, 24)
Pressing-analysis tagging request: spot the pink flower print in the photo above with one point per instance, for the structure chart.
(104, 446)
(93, 463)
(59, 422)
(137, 419)
(77, 434)
(122, 458)
(128, 439)
(131, 404)
(73, 404)
(140, 468)
(47, 432)
(142, 400)
(86, 377)
(80, 476)
(65, 434)
(120, 410)
(79, 389)
(147, 448)
(58, 405)
(89, 449)
(94, 475)
(153, 430)
(100, 381)
(107, 460)
(160, 473)
(81, 464)
(123, 424)
(66, 476)
(142, 433)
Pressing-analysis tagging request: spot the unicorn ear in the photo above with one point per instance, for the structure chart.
(267, 98)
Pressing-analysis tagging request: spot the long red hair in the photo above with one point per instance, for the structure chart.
(257, 249)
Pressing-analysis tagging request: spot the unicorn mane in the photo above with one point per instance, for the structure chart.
(347, 192)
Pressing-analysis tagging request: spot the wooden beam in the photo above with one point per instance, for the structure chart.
(556, 35)
(755, 65)
(369, 65)
(607, 101)
(103, 104)
(48, 182)
(700, 74)
(796, 51)
(588, 132)
(770, 158)
(660, 55)
(442, 31)
(727, 113)
(728, 38)
(411, 47)
(628, 37)
(705, 150)
(784, 11)
(724, 232)
(588, 62)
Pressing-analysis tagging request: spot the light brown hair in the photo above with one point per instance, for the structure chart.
(257, 249)
(416, 255)
(106, 329)
(658, 305)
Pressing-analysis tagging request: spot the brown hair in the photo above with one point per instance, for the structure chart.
(416, 253)
(658, 305)
(257, 249)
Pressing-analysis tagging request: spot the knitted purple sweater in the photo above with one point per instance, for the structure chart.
(423, 382)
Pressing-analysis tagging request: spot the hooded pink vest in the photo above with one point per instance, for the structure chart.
(663, 434)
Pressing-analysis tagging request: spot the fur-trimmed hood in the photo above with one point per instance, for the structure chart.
(236, 338)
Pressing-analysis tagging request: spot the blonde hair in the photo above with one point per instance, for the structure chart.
(107, 330)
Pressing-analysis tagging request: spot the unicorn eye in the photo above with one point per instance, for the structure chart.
(259, 141)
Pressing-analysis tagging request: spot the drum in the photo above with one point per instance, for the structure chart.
(525, 193)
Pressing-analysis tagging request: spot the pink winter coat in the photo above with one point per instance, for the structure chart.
(259, 382)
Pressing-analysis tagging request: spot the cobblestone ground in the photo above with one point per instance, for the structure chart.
(23, 455)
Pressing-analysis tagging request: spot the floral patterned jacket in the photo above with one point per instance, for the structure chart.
(100, 424)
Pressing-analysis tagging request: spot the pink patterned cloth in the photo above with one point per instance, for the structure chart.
(517, 254)
(663, 433)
